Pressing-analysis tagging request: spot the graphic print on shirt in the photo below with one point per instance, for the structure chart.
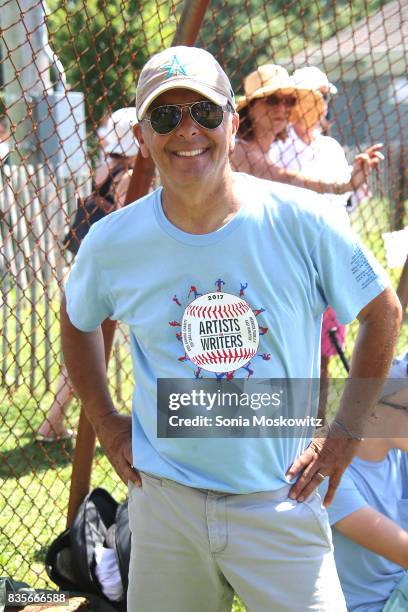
(218, 331)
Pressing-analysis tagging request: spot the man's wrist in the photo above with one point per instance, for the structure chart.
(98, 415)
(353, 435)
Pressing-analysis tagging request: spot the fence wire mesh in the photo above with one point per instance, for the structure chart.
(65, 67)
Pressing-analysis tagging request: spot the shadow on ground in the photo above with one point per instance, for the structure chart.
(36, 457)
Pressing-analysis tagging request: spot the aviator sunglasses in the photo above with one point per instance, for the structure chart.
(274, 100)
(164, 119)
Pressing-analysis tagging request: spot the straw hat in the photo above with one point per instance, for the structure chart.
(264, 81)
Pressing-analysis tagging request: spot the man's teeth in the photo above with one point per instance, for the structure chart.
(190, 153)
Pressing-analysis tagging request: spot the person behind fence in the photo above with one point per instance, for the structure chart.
(210, 516)
(266, 110)
(369, 513)
(110, 183)
(271, 147)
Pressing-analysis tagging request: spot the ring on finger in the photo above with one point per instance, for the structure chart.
(321, 476)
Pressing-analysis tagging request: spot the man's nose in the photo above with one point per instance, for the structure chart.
(187, 126)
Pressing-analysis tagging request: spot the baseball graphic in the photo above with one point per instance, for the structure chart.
(220, 332)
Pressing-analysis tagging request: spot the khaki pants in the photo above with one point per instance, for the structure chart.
(191, 549)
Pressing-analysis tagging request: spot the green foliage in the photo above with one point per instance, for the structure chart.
(246, 33)
(103, 46)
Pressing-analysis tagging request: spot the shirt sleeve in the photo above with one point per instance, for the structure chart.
(86, 294)
(347, 499)
(349, 275)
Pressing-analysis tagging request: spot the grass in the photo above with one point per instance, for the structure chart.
(35, 478)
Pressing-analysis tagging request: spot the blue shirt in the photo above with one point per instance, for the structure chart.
(368, 579)
(283, 252)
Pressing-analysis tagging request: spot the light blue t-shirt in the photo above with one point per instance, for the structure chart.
(284, 253)
(368, 579)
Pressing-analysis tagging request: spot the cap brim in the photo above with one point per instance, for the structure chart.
(190, 84)
(242, 101)
(332, 88)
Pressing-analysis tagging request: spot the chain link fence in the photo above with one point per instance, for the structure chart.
(64, 68)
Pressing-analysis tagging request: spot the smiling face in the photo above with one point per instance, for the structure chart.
(190, 154)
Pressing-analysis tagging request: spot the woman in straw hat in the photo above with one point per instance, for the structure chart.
(264, 114)
(264, 109)
(271, 101)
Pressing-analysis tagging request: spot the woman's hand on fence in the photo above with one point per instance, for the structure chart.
(115, 435)
(364, 163)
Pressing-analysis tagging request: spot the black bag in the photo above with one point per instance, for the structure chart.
(70, 560)
(90, 210)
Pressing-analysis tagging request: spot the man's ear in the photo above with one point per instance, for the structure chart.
(234, 130)
(138, 132)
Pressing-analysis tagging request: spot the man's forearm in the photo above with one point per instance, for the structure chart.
(84, 357)
(372, 356)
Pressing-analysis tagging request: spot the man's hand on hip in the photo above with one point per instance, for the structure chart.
(115, 435)
(326, 456)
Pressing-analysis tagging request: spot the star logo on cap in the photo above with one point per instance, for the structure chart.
(174, 68)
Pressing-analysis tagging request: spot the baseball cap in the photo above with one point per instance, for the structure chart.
(311, 77)
(118, 133)
(182, 67)
(263, 81)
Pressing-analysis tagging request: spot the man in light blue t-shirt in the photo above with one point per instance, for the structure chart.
(221, 277)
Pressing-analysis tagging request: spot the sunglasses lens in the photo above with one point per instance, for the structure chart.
(273, 100)
(165, 118)
(207, 114)
(288, 101)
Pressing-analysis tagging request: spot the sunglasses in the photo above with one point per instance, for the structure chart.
(208, 115)
(326, 97)
(274, 100)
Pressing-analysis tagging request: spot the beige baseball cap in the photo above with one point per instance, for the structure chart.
(264, 81)
(182, 67)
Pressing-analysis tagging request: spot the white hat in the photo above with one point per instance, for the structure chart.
(119, 137)
(182, 67)
(311, 77)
